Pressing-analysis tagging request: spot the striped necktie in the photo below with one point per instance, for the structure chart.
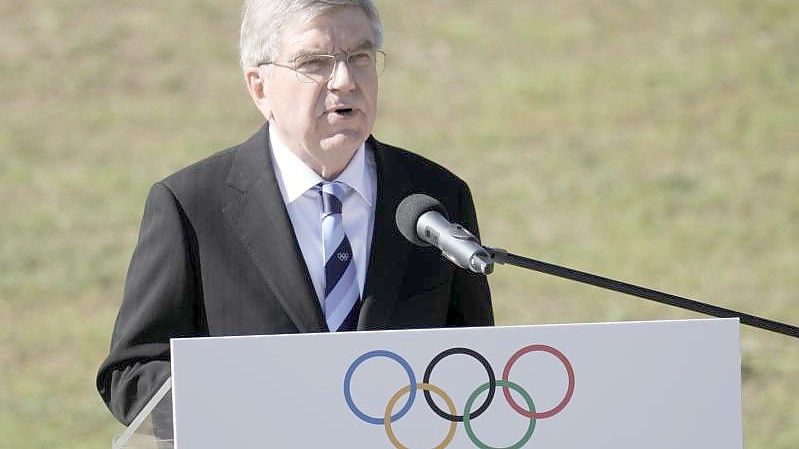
(342, 294)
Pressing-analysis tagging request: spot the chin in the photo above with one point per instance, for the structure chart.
(344, 141)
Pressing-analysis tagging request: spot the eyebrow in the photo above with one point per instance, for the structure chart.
(364, 45)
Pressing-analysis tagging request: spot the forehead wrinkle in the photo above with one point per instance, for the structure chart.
(306, 38)
(365, 44)
(300, 43)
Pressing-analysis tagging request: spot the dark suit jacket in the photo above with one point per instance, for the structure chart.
(217, 255)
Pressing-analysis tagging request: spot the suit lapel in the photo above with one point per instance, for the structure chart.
(262, 223)
(389, 249)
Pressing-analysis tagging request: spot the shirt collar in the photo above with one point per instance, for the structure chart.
(297, 178)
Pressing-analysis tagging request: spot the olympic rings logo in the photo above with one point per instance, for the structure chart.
(468, 415)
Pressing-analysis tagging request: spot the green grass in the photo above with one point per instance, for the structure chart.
(654, 142)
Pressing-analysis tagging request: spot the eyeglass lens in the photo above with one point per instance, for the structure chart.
(319, 68)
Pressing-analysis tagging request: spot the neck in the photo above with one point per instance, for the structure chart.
(329, 174)
(328, 164)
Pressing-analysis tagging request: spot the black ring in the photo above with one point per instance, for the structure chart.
(491, 381)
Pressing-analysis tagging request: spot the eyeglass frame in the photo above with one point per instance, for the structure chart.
(341, 56)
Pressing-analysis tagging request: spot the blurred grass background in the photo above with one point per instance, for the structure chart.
(650, 141)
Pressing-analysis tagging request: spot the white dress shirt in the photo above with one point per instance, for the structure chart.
(304, 205)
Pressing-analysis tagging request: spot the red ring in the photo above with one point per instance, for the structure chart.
(569, 390)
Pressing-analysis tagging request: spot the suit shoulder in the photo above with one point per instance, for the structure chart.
(215, 166)
(203, 185)
(419, 165)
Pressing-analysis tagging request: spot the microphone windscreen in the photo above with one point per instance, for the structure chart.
(409, 211)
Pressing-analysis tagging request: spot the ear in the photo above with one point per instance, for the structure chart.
(256, 81)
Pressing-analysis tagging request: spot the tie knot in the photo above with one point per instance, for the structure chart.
(332, 194)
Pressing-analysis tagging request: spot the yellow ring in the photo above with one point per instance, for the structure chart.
(420, 386)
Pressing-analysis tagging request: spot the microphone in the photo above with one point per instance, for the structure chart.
(424, 221)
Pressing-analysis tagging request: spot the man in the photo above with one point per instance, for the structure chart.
(292, 230)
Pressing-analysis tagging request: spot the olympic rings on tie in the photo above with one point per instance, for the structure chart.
(468, 415)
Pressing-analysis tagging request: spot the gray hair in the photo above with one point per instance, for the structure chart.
(263, 20)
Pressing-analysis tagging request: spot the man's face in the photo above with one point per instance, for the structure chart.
(324, 123)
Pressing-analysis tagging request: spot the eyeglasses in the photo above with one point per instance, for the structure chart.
(320, 68)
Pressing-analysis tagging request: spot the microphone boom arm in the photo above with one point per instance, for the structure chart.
(502, 256)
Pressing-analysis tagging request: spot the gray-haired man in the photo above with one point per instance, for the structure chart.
(240, 243)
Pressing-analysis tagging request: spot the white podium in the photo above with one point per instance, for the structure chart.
(661, 384)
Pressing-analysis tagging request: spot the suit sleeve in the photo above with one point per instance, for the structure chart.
(162, 299)
(471, 299)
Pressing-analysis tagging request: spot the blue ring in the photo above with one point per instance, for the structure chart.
(348, 379)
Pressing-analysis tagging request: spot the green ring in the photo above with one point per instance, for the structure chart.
(468, 407)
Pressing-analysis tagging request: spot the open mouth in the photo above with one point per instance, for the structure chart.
(343, 112)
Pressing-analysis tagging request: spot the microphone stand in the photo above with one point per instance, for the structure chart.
(502, 256)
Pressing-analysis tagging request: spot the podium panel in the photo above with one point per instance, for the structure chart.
(661, 384)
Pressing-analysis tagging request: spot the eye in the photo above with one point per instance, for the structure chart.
(313, 64)
(361, 59)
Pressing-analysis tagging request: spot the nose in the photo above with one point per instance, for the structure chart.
(342, 77)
